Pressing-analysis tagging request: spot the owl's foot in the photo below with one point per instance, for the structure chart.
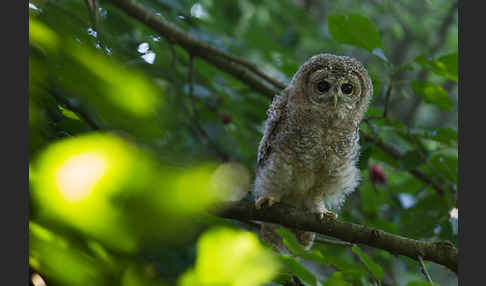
(328, 214)
(262, 200)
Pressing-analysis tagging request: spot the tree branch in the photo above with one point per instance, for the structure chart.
(333, 242)
(439, 252)
(94, 14)
(443, 253)
(239, 68)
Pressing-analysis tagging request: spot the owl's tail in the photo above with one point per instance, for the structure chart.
(268, 234)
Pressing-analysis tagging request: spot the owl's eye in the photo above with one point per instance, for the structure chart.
(347, 88)
(323, 86)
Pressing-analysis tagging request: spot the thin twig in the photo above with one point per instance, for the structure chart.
(424, 269)
(333, 242)
(93, 9)
(387, 99)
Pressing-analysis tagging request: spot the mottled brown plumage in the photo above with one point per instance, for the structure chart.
(307, 156)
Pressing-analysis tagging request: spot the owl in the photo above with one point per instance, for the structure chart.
(310, 146)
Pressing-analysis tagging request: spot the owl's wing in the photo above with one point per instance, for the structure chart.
(276, 113)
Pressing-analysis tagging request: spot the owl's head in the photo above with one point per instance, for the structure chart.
(339, 85)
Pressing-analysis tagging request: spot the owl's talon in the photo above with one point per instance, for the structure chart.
(328, 214)
(271, 202)
(262, 200)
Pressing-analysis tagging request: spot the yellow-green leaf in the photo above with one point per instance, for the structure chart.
(231, 257)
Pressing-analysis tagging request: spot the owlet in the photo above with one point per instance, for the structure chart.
(309, 150)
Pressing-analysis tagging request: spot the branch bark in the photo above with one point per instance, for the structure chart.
(241, 69)
(443, 253)
(439, 252)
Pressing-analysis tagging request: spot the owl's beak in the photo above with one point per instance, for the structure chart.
(336, 94)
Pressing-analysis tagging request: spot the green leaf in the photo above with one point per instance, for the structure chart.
(68, 113)
(293, 245)
(336, 279)
(446, 165)
(343, 29)
(446, 135)
(432, 93)
(446, 65)
(282, 278)
(350, 270)
(299, 270)
(411, 160)
(374, 268)
(290, 241)
(451, 65)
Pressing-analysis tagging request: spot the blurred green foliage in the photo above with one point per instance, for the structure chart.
(230, 257)
(125, 161)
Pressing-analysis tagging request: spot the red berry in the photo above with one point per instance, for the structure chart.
(377, 175)
(226, 118)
